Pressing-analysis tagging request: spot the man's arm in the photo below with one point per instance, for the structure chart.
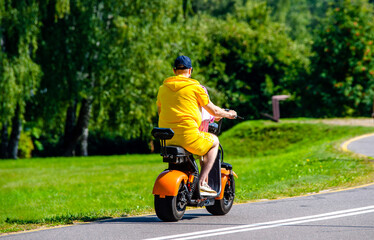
(219, 112)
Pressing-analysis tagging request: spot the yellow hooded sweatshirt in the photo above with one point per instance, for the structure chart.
(180, 99)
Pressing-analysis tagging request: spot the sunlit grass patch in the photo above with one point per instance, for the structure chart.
(292, 159)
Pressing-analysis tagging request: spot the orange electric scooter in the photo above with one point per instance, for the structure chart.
(178, 186)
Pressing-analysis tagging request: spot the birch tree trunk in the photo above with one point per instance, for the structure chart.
(4, 141)
(84, 143)
(79, 129)
(15, 134)
(69, 125)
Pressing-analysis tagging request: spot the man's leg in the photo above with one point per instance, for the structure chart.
(209, 159)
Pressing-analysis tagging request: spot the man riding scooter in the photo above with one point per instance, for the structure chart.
(180, 100)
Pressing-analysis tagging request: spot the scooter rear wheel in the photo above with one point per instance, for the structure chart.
(171, 208)
(223, 206)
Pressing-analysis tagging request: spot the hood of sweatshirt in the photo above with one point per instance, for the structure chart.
(178, 82)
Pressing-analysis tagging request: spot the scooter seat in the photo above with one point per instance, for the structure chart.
(162, 133)
(177, 151)
(227, 166)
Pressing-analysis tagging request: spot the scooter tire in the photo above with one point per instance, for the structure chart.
(223, 206)
(170, 208)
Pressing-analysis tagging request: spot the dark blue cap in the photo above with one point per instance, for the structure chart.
(182, 62)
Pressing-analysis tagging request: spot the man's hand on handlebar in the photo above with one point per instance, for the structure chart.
(218, 112)
(231, 114)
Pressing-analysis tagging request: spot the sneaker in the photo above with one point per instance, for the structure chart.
(205, 190)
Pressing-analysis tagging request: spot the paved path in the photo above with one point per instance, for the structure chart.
(368, 122)
(335, 215)
(363, 145)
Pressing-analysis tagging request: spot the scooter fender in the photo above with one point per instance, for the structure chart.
(224, 178)
(167, 183)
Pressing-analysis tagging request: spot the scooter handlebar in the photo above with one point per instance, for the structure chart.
(217, 129)
(237, 116)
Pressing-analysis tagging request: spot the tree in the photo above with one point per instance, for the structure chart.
(75, 46)
(97, 58)
(296, 16)
(19, 74)
(252, 58)
(342, 79)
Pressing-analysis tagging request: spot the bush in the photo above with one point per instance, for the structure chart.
(342, 79)
(25, 146)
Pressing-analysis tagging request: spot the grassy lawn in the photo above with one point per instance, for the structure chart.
(272, 160)
(291, 159)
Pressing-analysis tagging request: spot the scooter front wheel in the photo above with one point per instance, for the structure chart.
(223, 206)
(171, 208)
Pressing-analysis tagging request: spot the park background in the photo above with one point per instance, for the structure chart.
(80, 78)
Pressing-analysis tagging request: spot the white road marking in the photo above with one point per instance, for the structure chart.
(272, 224)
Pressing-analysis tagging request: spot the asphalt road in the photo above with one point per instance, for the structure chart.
(347, 214)
(363, 146)
(336, 215)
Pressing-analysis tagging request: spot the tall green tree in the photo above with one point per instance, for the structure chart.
(140, 58)
(19, 74)
(73, 52)
(342, 80)
(253, 58)
(296, 16)
(102, 59)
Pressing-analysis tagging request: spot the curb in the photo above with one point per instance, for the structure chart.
(344, 146)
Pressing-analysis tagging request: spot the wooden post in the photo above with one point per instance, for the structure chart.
(275, 100)
(275, 103)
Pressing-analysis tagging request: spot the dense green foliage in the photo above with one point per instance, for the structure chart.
(52, 191)
(342, 79)
(69, 66)
(19, 74)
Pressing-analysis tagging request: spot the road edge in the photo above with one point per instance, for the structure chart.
(345, 144)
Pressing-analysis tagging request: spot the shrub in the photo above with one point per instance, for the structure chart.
(25, 146)
(342, 80)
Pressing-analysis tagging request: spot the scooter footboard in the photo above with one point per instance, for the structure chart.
(167, 183)
(214, 178)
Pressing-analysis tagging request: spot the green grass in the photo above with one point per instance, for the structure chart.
(272, 160)
(291, 159)
(63, 190)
